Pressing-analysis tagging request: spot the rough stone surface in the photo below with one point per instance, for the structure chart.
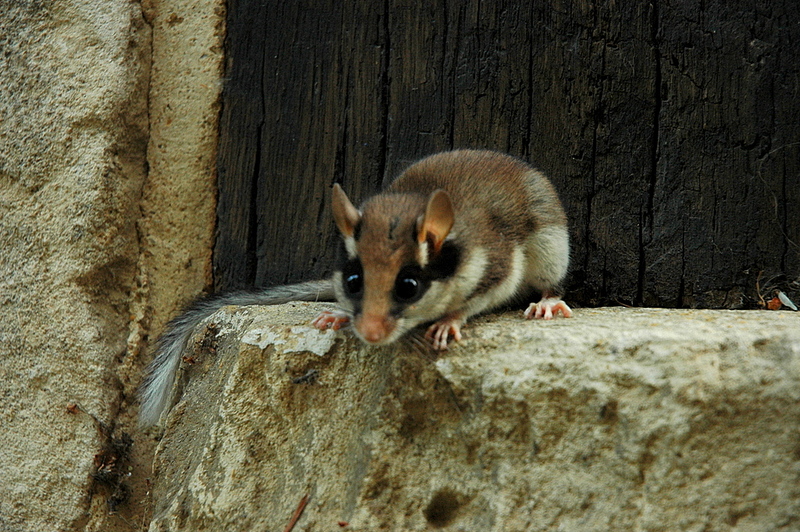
(616, 419)
(73, 132)
(101, 156)
(178, 203)
(176, 224)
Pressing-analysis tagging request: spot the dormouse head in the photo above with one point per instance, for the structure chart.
(395, 255)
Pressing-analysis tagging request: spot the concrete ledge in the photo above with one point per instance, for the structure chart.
(617, 419)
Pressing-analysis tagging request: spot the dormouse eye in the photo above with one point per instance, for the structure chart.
(353, 279)
(407, 288)
(353, 284)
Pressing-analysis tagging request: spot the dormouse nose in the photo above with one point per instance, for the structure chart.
(374, 328)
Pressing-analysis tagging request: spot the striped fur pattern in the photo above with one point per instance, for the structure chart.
(509, 235)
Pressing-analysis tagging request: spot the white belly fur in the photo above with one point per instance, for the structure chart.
(548, 257)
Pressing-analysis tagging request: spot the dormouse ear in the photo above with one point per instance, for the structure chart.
(345, 215)
(435, 224)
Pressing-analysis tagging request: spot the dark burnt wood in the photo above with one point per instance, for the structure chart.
(671, 130)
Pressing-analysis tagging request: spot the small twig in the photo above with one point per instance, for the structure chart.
(310, 377)
(297, 513)
(758, 290)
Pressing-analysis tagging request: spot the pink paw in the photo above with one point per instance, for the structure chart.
(442, 330)
(547, 308)
(331, 319)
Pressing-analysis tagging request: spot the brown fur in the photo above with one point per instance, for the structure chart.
(498, 203)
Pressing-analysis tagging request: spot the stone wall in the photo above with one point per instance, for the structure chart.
(108, 116)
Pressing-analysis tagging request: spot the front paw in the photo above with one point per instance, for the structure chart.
(547, 308)
(331, 319)
(439, 333)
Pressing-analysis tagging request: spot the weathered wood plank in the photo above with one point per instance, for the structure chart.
(241, 122)
(672, 131)
(729, 116)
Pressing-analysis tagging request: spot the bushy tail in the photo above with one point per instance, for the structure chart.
(156, 388)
